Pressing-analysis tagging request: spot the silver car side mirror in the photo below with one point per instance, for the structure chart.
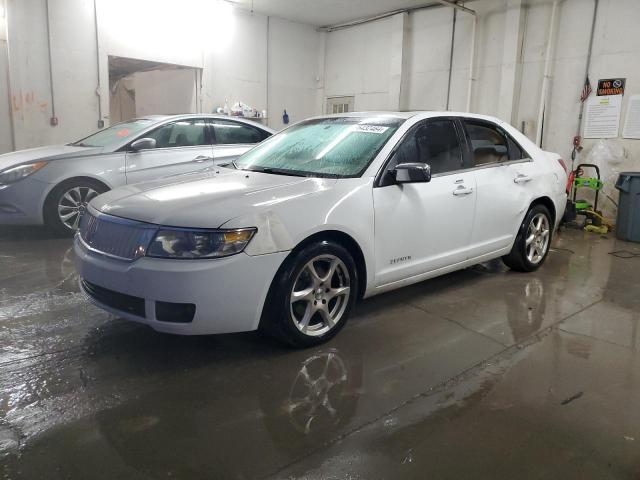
(143, 144)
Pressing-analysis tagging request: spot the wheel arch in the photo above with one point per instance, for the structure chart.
(548, 203)
(340, 237)
(47, 197)
(348, 242)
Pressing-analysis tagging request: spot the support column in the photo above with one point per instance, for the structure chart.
(511, 61)
(398, 64)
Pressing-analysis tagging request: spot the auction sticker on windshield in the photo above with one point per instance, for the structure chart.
(370, 129)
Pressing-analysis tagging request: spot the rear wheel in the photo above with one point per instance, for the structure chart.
(66, 202)
(312, 297)
(532, 243)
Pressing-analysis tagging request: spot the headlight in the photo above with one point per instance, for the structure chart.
(13, 174)
(194, 243)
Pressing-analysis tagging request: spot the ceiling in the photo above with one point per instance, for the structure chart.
(326, 12)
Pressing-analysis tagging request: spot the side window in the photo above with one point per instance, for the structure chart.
(516, 152)
(228, 132)
(488, 144)
(439, 146)
(183, 133)
(434, 142)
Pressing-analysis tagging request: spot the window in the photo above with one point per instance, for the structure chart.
(516, 152)
(228, 132)
(340, 105)
(339, 146)
(435, 143)
(183, 133)
(488, 144)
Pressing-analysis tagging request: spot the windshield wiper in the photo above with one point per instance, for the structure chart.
(275, 171)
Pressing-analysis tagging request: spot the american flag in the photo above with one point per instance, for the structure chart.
(586, 90)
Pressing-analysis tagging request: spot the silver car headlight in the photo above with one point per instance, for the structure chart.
(13, 174)
(189, 243)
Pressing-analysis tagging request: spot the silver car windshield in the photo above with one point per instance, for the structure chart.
(330, 147)
(115, 134)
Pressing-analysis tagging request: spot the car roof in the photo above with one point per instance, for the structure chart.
(411, 114)
(164, 118)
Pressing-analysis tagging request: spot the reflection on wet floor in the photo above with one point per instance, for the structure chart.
(460, 376)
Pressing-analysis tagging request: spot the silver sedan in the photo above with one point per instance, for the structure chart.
(51, 185)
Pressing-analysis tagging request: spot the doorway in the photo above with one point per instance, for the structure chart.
(139, 88)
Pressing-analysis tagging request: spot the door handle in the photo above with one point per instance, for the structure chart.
(462, 190)
(201, 159)
(522, 178)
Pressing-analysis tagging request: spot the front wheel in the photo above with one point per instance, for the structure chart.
(312, 297)
(532, 243)
(66, 202)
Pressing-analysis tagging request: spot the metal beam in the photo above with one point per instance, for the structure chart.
(360, 21)
(452, 4)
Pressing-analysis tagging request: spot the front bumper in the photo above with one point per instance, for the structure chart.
(228, 293)
(21, 203)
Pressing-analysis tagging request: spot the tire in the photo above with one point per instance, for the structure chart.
(64, 204)
(525, 257)
(324, 308)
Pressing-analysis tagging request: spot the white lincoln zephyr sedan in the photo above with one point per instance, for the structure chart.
(333, 209)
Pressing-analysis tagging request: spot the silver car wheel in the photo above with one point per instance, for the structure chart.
(72, 203)
(537, 241)
(320, 295)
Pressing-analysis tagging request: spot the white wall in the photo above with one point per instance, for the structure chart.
(165, 92)
(75, 78)
(5, 125)
(231, 50)
(294, 86)
(358, 63)
(511, 41)
(400, 62)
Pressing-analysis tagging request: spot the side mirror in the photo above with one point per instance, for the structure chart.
(412, 173)
(143, 144)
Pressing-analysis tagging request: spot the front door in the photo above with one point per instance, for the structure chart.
(422, 227)
(182, 146)
(505, 176)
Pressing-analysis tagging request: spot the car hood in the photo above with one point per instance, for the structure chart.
(52, 152)
(206, 200)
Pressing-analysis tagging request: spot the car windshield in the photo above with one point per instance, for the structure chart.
(331, 147)
(115, 133)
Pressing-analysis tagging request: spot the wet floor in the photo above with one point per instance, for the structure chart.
(483, 373)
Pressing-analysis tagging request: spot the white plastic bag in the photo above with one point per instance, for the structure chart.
(609, 155)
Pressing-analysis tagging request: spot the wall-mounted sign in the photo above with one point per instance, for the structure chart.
(611, 86)
(602, 117)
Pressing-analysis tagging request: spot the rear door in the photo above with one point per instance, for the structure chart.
(182, 146)
(505, 179)
(231, 139)
(421, 227)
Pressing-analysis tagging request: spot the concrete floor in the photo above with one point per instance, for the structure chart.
(483, 373)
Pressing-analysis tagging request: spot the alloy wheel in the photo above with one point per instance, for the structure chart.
(537, 241)
(72, 203)
(320, 295)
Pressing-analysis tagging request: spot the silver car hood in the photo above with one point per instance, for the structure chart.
(51, 152)
(205, 200)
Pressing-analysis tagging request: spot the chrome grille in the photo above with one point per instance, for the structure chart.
(115, 236)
